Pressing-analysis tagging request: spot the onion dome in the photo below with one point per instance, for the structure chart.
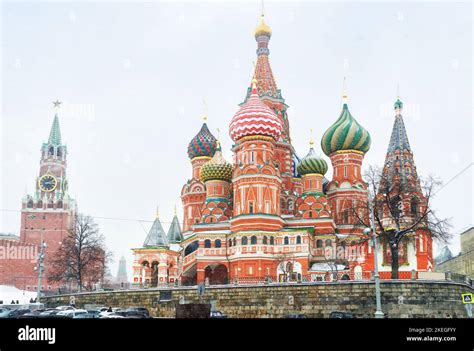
(203, 144)
(263, 28)
(345, 134)
(217, 168)
(312, 163)
(255, 118)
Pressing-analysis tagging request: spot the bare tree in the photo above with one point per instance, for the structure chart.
(82, 256)
(401, 207)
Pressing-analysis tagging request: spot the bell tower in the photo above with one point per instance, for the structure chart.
(47, 214)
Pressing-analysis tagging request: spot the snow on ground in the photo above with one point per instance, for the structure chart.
(9, 293)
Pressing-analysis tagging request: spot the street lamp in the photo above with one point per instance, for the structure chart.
(378, 312)
(40, 270)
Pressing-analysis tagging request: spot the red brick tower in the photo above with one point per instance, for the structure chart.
(255, 128)
(399, 167)
(48, 214)
(216, 174)
(346, 142)
(267, 89)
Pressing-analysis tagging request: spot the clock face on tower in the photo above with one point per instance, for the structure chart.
(47, 183)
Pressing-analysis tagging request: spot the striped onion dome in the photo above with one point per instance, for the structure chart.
(312, 163)
(203, 144)
(217, 168)
(255, 118)
(345, 134)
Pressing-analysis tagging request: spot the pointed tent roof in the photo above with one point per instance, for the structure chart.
(399, 138)
(174, 233)
(156, 236)
(55, 133)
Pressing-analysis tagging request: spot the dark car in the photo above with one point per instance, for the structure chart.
(142, 310)
(14, 313)
(32, 314)
(295, 315)
(340, 315)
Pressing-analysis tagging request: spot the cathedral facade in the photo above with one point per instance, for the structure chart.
(268, 215)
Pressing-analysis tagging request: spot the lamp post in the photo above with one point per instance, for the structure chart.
(378, 311)
(40, 268)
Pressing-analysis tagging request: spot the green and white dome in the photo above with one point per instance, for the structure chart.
(345, 134)
(312, 163)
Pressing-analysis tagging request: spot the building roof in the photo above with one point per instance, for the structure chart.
(399, 137)
(55, 133)
(174, 233)
(444, 255)
(156, 236)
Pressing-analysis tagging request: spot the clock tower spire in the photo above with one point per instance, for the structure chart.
(48, 214)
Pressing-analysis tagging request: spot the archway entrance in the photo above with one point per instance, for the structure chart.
(217, 274)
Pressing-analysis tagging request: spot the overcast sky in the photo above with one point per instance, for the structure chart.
(133, 77)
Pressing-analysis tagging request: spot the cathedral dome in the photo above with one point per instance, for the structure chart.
(312, 163)
(255, 118)
(203, 144)
(263, 28)
(217, 168)
(345, 134)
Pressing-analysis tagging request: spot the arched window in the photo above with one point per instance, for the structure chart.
(328, 243)
(30, 203)
(230, 242)
(272, 240)
(217, 243)
(234, 242)
(414, 206)
(298, 239)
(60, 152)
(253, 240)
(345, 216)
(286, 240)
(319, 243)
(264, 240)
(207, 243)
(244, 240)
(191, 248)
(51, 151)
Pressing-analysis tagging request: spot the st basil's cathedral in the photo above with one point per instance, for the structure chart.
(268, 215)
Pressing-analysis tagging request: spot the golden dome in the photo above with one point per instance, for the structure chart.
(263, 28)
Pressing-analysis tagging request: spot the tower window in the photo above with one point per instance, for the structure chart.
(244, 240)
(298, 239)
(264, 240)
(207, 243)
(250, 206)
(319, 243)
(253, 240)
(286, 241)
(345, 171)
(272, 240)
(217, 243)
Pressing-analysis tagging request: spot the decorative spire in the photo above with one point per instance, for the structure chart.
(157, 214)
(174, 233)
(55, 133)
(311, 139)
(205, 116)
(344, 91)
(399, 137)
(156, 236)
